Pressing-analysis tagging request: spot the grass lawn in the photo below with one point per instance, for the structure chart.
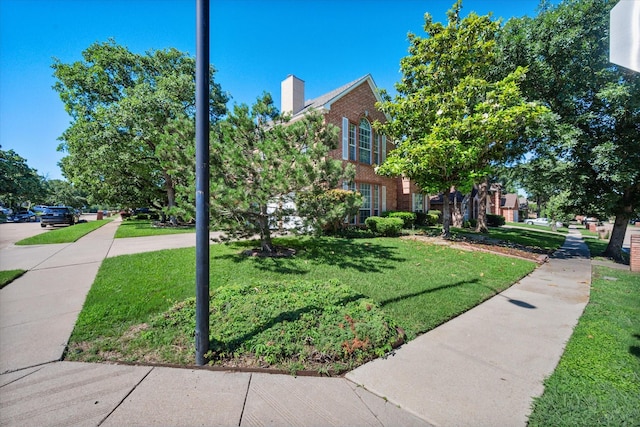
(564, 230)
(9, 276)
(66, 234)
(534, 239)
(265, 311)
(597, 382)
(140, 228)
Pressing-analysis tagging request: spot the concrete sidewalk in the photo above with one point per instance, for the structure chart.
(482, 368)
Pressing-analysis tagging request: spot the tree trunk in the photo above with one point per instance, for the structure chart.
(446, 215)
(171, 196)
(614, 248)
(481, 225)
(457, 212)
(266, 245)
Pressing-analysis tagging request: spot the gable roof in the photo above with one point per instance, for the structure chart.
(509, 201)
(324, 102)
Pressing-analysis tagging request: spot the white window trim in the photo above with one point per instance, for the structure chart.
(345, 138)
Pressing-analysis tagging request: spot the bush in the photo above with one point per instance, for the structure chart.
(384, 226)
(421, 218)
(408, 218)
(433, 218)
(495, 220)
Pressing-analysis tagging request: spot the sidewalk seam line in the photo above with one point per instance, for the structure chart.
(244, 404)
(365, 403)
(125, 397)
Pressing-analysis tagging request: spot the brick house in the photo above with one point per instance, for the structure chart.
(352, 109)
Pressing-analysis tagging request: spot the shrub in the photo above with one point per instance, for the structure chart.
(421, 218)
(384, 226)
(495, 220)
(408, 218)
(433, 217)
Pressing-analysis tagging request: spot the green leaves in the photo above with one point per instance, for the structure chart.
(133, 120)
(260, 161)
(453, 118)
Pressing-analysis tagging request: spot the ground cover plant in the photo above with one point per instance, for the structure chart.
(142, 227)
(138, 309)
(597, 381)
(66, 234)
(8, 276)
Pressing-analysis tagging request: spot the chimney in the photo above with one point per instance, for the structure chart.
(292, 95)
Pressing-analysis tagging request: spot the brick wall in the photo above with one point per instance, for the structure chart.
(635, 253)
(356, 105)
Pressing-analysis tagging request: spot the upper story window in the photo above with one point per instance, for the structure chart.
(352, 141)
(364, 141)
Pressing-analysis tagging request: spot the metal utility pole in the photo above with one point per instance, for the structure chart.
(202, 180)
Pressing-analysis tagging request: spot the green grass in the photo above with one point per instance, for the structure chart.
(141, 228)
(9, 276)
(534, 240)
(410, 284)
(564, 230)
(597, 382)
(66, 234)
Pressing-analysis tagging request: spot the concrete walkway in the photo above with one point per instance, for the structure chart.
(481, 369)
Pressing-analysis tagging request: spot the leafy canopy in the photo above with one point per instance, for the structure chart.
(132, 118)
(566, 48)
(451, 119)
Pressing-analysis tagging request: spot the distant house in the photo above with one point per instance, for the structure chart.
(352, 109)
(507, 205)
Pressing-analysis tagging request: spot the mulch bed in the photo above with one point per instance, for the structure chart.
(484, 244)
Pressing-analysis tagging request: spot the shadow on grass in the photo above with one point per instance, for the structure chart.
(427, 291)
(634, 349)
(366, 257)
(234, 344)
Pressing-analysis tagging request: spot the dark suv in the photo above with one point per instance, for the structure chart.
(53, 215)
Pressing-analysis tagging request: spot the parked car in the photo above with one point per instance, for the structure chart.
(55, 215)
(541, 221)
(23, 216)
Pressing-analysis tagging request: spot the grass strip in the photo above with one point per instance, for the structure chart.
(141, 228)
(8, 276)
(597, 381)
(418, 285)
(67, 234)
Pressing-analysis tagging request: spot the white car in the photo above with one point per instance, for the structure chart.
(541, 221)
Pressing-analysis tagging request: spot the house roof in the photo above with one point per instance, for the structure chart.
(509, 201)
(324, 102)
(437, 200)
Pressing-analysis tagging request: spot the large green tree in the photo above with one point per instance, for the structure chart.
(132, 118)
(450, 118)
(60, 192)
(19, 183)
(260, 161)
(566, 48)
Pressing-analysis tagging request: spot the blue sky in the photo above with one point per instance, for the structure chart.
(255, 44)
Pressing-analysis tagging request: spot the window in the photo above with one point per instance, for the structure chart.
(418, 202)
(364, 139)
(351, 186)
(376, 150)
(352, 142)
(365, 209)
(376, 201)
